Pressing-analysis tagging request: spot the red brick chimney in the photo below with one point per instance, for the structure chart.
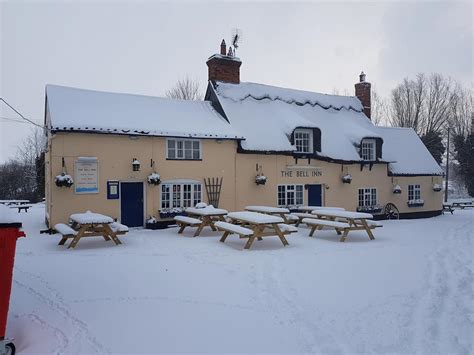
(224, 66)
(362, 91)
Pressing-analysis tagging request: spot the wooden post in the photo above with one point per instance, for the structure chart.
(447, 170)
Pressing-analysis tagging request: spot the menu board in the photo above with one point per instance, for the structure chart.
(86, 179)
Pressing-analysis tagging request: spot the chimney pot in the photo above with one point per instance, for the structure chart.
(362, 77)
(362, 92)
(223, 48)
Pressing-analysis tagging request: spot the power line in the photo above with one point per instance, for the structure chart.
(19, 114)
(12, 120)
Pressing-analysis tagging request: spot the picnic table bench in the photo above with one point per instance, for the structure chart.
(349, 221)
(253, 225)
(200, 218)
(462, 204)
(447, 207)
(90, 225)
(312, 208)
(20, 207)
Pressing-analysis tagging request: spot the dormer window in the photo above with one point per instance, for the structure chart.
(303, 140)
(367, 150)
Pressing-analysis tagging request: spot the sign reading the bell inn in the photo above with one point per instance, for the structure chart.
(86, 179)
(301, 171)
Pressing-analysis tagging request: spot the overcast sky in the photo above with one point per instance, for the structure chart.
(144, 47)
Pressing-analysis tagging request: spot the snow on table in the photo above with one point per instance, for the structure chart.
(91, 218)
(206, 211)
(267, 209)
(343, 214)
(255, 218)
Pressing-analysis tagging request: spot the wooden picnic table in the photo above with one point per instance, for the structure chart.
(20, 207)
(269, 210)
(14, 202)
(356, 220)
(207, 215)
(262, 225)
(91, 224)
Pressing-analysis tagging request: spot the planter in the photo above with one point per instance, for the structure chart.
(64, 180)
(171, 213)
(416, 203)
(437, 187)
(260, 179)
(154, 179)
(347, 179)
(397, 189)
(370, 209)
(154, 225)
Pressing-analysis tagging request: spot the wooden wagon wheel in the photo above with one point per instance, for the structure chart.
(391, 211)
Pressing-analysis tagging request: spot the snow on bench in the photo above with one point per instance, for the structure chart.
(287, 228)
(187, 220)
(233, 229)
(65, 230)
(118, 228)
(291, 217)
(325, 223)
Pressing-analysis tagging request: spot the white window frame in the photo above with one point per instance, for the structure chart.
(183, 142)
(297, 192)
(369, 197)
(298, 141)
(368, 150)
(193, 195)
(415, 192)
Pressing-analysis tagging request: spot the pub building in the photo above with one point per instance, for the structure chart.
(137, 157)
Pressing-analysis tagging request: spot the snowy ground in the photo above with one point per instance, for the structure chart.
(409, 290)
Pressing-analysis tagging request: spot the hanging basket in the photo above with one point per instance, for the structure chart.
(397, 189)
(64, 180)
(260, 179)
(347, 179)
(154, 179)
(437, 187)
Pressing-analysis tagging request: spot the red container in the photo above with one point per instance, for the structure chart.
(9, 233)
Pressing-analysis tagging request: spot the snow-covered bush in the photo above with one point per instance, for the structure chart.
(416, 203)
(64, 180)
(437, 187)
(151, 220)
(260, 179)
(201, 205)
(154, 179)
(397, 189)
(346, 179)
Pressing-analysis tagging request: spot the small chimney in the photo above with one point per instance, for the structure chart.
(223, 47)
(362, 92)
(224, 66)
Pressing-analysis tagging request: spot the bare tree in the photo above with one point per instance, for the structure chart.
(380, 109)
(32, 147)
(185, 89)
(407, 103)
(437, 104)
(461, 110)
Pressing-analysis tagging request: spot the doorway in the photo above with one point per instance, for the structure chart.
(315, 197)
(131, 204)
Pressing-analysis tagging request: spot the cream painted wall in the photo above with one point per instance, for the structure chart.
(219, 159)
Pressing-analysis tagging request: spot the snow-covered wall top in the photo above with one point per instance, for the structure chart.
(407, 153)
(268, 115)
(104, 112)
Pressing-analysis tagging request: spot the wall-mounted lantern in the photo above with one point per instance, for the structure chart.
(135, 165)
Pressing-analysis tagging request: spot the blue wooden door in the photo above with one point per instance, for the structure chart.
(131, 203)
(314, 195)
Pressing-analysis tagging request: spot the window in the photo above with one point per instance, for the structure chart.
(414, 192)
(367, 151)
(180, 195)
(304, 140)
(290, 195)
(187, 149)
(367, 197)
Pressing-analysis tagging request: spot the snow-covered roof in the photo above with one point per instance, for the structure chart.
(407, 153)
(267, 116)
(105, 112)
